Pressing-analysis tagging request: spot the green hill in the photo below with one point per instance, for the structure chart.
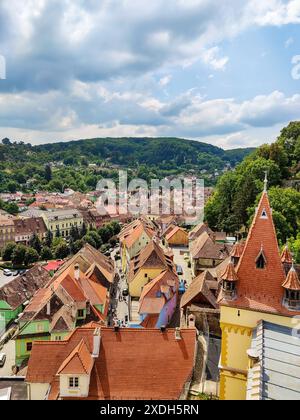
(23, 166)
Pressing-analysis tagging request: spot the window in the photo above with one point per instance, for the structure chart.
(58, 338)
(261, 263)
(146, 275)
(28, 347)
(40, 328)
(74, 382)
(261, 260)
(80, 313)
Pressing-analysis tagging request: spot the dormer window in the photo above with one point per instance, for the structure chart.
(264, 214)
(261, 261)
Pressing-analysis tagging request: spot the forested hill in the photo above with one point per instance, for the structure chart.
(23, 166)
(152, 151)
(233, 204)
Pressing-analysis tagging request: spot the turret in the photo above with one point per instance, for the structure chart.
(229, 281)
(292, 290)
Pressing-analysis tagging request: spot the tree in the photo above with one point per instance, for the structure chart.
(96, 237)
(83, 230)
(57, 233)
(62, 251)
(46, 253)
(36, 243)
(11, 208)
(31, 256)
(90, 240)
(78, 245)
(12, 187)
(74, 233)
(8, 251)
(116, 227)
(18, 255)
(48, 173)
(6, 142)
(49, 239)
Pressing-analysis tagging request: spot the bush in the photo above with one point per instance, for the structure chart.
(8, 251)
(46, 254)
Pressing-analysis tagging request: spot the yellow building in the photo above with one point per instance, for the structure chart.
(146, 266)
(259, 286)
(62, 220)
(177, 237)
(133, 239)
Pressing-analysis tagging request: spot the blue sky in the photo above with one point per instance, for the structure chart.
(220, 72)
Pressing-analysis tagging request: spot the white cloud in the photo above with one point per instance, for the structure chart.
(212, 58)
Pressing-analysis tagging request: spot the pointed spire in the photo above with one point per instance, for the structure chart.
(266, 181)
(292, 281)
(286, 256)
(230, 273)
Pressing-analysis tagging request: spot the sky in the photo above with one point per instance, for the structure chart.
(227, 73)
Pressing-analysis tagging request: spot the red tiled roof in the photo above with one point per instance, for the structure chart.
(158, 369)
(53, 265)
(200, 292)
(260, 289)
(174, 231)
(230, 274)
(286, 256)
(78, 362)
(238, 250)
(292, 281)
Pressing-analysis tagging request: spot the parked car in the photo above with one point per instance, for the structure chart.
(179, 270)
(22, 272)
(2, 359)
(7, 272)
(15, 273)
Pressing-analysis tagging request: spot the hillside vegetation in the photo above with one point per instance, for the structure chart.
(26, 167)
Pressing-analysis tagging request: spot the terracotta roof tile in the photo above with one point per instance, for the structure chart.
(79, 361)
(292, 281)
(261, 289)
(230, 274)
(159, 368)
(199, 292)
(286, 256)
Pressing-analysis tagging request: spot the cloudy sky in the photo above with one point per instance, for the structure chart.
(225, 72)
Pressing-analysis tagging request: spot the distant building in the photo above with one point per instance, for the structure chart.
(146, 266)
(133, 238)
(15, 294)
(159, 299)
(177, 237)
(77, 294)
(62, 220)
(97, 363)
(7, 230)
(207, 253)
(25, 228)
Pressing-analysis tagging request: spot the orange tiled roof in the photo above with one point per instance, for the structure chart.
(152, 256)
(160, 368)
(230, 274)
(174, 231)
(238, 250)
(134, 231)
(286, 256)
(292, 281)
(260, 289)
(199, 291)
(78, 362)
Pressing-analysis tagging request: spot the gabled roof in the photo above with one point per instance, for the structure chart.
(199, 291)
(160, 368)
(164, 283)
(88, 256)
(79, 362)
(152, 256)
(175, 231)
(23, 288)
(261, 289)
(131, 233)
(205, 247)
(198, 230)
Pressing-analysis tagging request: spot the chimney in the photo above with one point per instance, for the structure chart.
(96, 343)
(192, 321)
(77, 272)
(178, 334)
(48, 308)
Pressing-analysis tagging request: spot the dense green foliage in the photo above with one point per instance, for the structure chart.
(232, 206)
(57, 247)
(55, 167)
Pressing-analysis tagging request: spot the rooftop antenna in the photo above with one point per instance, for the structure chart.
(266, 182)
